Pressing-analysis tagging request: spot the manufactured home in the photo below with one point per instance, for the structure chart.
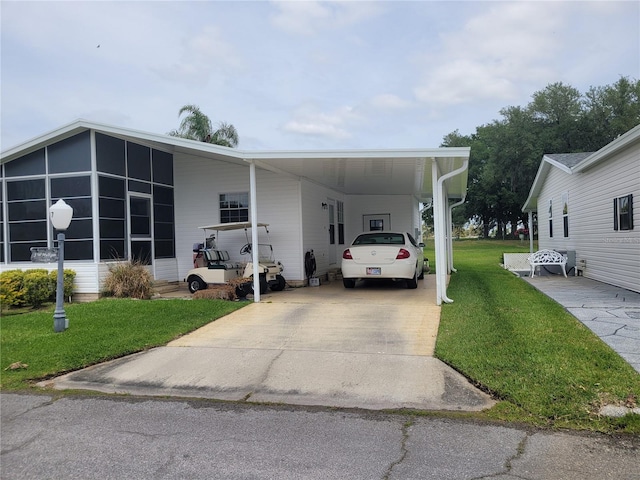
(138, 195)
(584, 204)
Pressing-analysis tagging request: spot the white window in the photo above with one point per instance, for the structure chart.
(234, 207)
(623, 213)
(340, 206)
(550, 218)
(565, 214)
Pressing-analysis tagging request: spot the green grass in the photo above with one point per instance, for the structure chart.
(98, 331)
(546, 367)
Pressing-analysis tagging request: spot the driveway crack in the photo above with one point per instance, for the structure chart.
(267, 372)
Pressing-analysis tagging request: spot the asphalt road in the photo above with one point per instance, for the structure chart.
(45, 437)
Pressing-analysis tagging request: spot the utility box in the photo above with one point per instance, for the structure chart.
(571, 262)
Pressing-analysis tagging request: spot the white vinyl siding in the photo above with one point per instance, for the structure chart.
(198, 183)
(611, 256)
(401, 208)
(315, 225)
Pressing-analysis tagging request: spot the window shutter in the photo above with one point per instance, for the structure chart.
(615, 214)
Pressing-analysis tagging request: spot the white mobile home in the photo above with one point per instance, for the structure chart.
(142, 195)
(584, 204)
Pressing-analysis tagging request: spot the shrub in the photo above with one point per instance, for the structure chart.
(68, 278)
(217, 292)
(12, 290)
(38, 287)
(128, 280)
(32, 287)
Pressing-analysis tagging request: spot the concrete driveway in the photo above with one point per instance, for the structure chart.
(370, 347)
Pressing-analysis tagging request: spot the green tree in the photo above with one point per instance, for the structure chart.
(610, 111)
(197, 126)
(506, 153)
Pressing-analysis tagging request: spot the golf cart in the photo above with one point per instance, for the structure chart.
(213, 266)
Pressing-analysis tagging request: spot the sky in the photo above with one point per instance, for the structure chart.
(302, 75)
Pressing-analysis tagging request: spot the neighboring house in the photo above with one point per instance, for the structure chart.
(584, 204)
(142, 195)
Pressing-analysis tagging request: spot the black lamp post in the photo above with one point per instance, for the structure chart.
(61, 215)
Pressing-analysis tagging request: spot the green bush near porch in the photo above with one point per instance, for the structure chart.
(32, 287)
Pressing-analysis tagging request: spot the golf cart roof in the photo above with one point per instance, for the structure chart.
(232, 226)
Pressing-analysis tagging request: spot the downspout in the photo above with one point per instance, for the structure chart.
(450, 216)
(253, 204)
(439, 218)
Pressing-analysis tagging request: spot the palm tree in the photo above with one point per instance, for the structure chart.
(197, 126)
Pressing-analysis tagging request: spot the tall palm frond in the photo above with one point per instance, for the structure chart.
(197, 126)
(225, 135)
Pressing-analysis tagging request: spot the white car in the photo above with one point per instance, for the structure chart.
(388, 255)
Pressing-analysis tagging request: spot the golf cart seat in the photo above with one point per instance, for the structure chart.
(224, 260)
(212, 258)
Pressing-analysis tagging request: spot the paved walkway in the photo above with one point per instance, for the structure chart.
(612, 313)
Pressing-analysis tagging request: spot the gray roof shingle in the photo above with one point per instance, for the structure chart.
(569, 159)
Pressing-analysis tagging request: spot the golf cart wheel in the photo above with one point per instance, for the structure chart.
(279, 284)
(264, 286)
(348, 282)
(195, 283)
(243, 290)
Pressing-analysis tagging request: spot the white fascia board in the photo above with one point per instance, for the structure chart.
(531, 204)
(619, 143)
(81, 125)
(422, 153)
(35, 143)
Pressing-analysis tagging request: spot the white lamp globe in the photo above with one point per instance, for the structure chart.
(61, 214)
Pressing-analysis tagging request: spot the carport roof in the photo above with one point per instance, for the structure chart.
(353, 172)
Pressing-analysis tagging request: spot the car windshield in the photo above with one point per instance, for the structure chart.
(379, 239)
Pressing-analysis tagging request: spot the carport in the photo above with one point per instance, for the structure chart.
(435, 177)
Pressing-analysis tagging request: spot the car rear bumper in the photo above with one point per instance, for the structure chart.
(353, 270)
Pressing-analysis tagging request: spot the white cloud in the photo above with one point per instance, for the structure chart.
(308, 121)
(203, 54)
(389, 101)
(310, 17)
(494, 55)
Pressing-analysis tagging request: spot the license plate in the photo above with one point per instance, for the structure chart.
(374, 271)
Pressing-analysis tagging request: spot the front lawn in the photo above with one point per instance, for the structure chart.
(98, 331)
(546, 367)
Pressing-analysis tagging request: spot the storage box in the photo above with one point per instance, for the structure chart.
(314, 282)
